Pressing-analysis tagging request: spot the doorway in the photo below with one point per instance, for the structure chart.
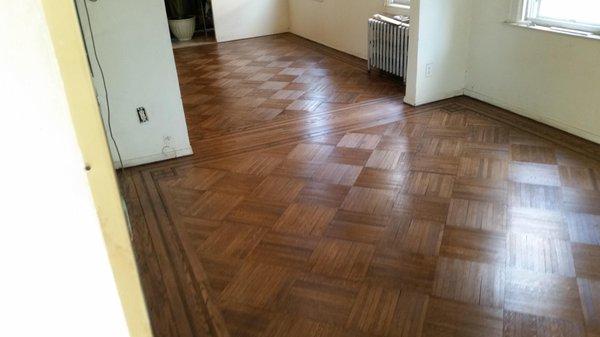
(191, 22)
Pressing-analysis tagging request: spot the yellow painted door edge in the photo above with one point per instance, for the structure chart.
(61, 18)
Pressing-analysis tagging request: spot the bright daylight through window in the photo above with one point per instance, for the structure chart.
(577, 15)
(399, 2)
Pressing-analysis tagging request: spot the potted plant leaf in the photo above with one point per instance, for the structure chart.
(181, 23)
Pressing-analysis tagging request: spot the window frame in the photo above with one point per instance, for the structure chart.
(530, 15)
(404, 3)
(402, 8)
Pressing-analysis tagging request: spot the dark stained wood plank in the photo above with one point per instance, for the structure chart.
(450, 318)
(328, 195)
(481, 284)
(369, 200)
(584, 228)
(389, 312)
(413, 236)
(339, 174)
(256, 212)
(359, 227)
(586, 259)
(340, 258)
(475, 214)
(524, 325)
(322, 299)
(589, 292)
(249, 286)
(548, 295)
(474, 245)
(360, 141)
(399, 269)
(305, 220)
(540, 254)
(278, 189)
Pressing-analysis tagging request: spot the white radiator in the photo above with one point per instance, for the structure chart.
(388, 45)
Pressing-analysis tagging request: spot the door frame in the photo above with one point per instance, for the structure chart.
(63, 25)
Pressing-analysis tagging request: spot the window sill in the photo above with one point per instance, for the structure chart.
(398, 9)
(527, 25)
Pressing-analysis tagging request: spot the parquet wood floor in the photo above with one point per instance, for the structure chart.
(318, 204)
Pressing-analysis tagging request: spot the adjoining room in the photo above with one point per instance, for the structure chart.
(191, 22)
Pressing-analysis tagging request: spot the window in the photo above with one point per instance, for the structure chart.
(399, 3)
(400, 7)
(576, 15)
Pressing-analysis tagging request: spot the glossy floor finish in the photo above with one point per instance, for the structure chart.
(365, 217)
(243, 84)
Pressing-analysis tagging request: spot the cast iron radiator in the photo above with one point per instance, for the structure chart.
(388, 45)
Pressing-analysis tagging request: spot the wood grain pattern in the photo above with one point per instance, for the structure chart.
(401, 312)
(449, 318)
(339, 174)
(369, 200)
(547, 295)
(540, 254)
(340, 258)
(480, 283)
(322, 299)
(278, 189)
(415, 236)
(522, 325)
(360, 141)
(384, 159)
(249, 287)
(589, 291)
(487, 216)
(584, 228)
(318, 204)
(302, 219)
(474, 245)
(541, 223)
(357, 227)
(586, 258)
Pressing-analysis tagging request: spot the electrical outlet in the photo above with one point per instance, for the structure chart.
(142, 115)
(428, 69)
(167, 150)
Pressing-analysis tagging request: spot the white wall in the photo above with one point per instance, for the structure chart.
(240, 19)
(134, 49)
(56, 278)
(339, 24)
(440, 38)
(440, 27)
(547, 76)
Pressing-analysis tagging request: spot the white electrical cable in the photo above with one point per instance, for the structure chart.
(110, 131)
(112, 137)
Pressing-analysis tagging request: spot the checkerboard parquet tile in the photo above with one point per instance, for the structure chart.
(446, 223)
(388, 247)
(268, 79)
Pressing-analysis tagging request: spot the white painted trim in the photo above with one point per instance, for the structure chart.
(532, 26)
(397, 9)
(187, 151)
(409, 100)
(562, 125)
(434, 98)
(525, 13)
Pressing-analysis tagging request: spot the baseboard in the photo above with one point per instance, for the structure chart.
(187, 151)
(435, 98)
(561, 125)
(344, 56)
(328, 45)
(232, 38)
